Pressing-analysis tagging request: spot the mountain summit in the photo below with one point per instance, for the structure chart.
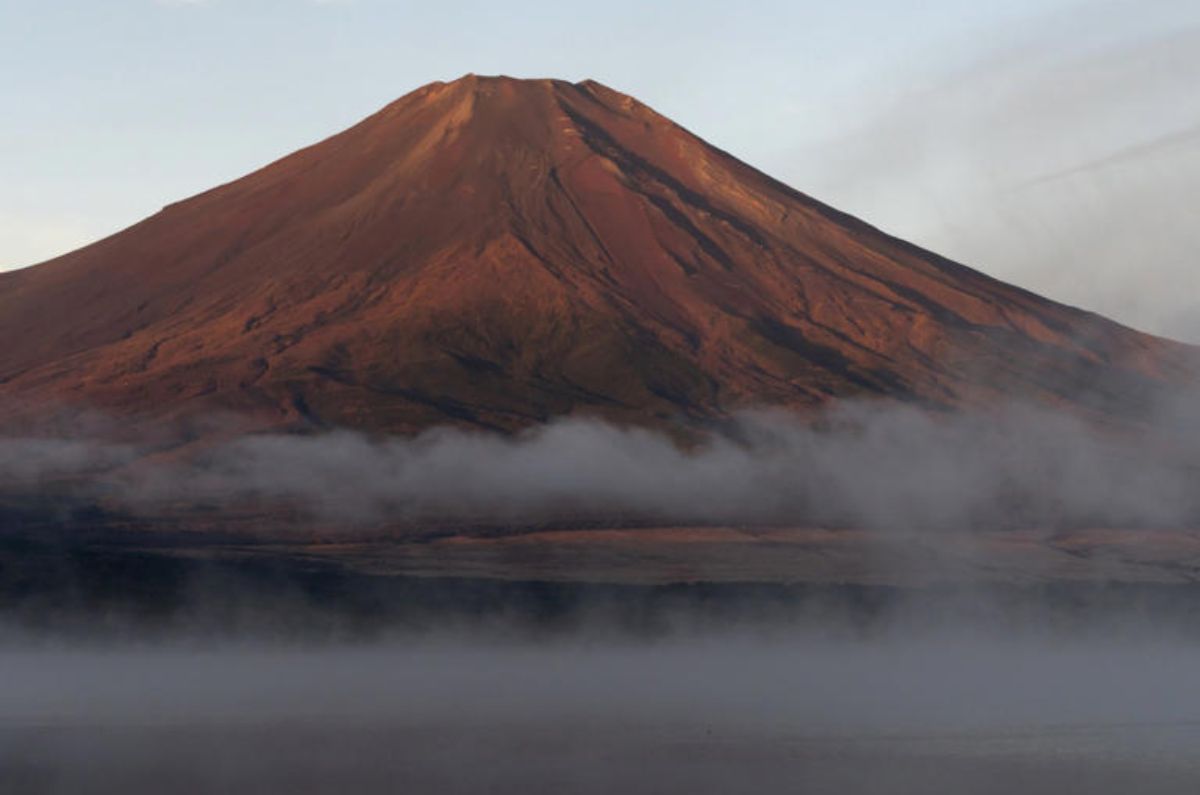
(498, 252)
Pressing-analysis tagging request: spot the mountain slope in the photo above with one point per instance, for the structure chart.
(497, 252)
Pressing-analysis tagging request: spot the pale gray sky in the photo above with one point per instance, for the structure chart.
(1055, 143)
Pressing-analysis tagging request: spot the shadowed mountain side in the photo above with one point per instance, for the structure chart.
(497, 252)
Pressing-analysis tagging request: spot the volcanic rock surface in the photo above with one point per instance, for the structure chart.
(496, 252)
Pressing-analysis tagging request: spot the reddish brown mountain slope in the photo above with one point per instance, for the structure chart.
(500, 251)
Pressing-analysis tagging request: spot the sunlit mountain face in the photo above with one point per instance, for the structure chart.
(495, 253)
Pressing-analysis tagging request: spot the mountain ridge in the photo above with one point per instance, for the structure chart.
(497, 252)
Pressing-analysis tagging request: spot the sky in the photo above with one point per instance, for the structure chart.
(1052, 143)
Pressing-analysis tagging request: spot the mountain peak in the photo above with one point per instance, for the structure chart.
(499, 251)
(502, 93)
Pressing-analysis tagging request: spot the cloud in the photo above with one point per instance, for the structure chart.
(871, 465)
(1064, 161)
(32, 460)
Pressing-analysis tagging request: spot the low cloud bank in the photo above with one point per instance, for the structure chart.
(864, 465)
(24, 461)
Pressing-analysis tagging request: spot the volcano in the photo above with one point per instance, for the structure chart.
(496, 252)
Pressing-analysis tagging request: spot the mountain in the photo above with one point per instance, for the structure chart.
(496, 252)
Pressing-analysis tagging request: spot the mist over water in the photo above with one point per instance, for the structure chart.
(243, 685)
(902, 714)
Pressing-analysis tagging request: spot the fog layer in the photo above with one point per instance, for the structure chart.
(866, 465)
(898, 716)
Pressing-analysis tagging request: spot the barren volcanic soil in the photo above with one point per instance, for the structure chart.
(495, 252)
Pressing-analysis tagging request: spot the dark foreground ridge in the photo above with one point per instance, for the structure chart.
(106, 593)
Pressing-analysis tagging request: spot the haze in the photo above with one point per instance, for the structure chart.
(919, 599)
